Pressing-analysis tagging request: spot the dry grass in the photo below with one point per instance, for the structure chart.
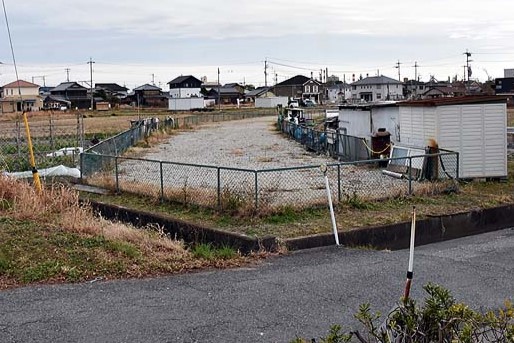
(52, 237)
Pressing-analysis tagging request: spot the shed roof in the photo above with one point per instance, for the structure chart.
(147, 87)
(65, 85)
(461, 100)
(257, 91)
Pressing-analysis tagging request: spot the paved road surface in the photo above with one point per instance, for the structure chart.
(301, 293)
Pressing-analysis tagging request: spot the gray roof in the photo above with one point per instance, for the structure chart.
(376, 80)
(65, 85)
(147, 87)
(257, 91)
(228, 90)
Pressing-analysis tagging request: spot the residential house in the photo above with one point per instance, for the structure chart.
(111, 92)
(70, 93)
(313, 90)
(505, 86)
(186, 86)
(259, 92)
(148, 96)
(377, 88)
(20, 96)
(338, 92)
(413, 89)
(293, 87)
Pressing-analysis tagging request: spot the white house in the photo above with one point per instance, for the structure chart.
(20, 96)
(377, 88)
(186, 86)
(339, 92)
(475, 127)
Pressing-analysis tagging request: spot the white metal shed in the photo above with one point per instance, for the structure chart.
(363, 120)
(474, 126)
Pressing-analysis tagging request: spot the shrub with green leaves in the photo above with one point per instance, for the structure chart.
(439, 319)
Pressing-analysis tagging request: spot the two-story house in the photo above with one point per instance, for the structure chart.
(20, 96)
(186, 86)
(70, 94)
(312, 89)
(293, 87)
(149, 96)
(339, 92)
(377, 88)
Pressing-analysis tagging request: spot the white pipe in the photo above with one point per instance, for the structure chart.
(332, 216)
(412, 237)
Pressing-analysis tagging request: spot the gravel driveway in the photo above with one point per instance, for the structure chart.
(251, 144)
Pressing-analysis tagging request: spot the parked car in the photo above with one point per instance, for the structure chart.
(309, 103)
(72, 151)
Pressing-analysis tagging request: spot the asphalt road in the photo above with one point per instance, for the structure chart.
(299, 294)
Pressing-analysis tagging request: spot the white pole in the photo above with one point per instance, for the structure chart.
(412, 237)
(332, 216)
(410, 270)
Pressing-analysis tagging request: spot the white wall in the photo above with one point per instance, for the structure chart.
(478, 132)
(185, 104)
(185, 92)
(356, 122)
(271, 102)
(395, 91)
(388, 118)
(25, 91)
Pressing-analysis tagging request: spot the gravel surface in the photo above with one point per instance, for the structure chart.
(251, 144)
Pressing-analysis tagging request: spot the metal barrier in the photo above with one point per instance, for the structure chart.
(239, 189)
(337, 145)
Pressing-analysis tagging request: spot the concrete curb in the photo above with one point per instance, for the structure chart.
(188, 232)
(393, 236)
(430, 230)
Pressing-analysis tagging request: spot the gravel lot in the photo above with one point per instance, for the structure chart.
(249, 144)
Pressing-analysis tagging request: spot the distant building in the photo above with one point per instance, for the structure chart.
(186, 86)
(508, 73)
(377, 88)
(29, 100)
(70, 93)
(339, 92)
(260, 92)
(148, 96)
(292, 87)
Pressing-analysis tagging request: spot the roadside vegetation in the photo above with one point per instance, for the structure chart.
(52, 237)
(352, 213)
(439, 318)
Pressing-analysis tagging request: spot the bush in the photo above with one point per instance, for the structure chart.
(439, 319)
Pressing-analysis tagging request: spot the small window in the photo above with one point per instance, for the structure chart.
(315, 89)
(379, 96)
(307, 89)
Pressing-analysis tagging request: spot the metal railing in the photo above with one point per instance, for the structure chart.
(338, 145)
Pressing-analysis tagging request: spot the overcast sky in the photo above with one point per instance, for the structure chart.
(131, 40)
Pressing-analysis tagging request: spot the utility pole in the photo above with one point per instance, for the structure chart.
(415, 71)
(468, 68)
(219, 95)
(91, 79)
(397, 66)
(265, 73)
(67, 74)
(276, 79)
(153, 79)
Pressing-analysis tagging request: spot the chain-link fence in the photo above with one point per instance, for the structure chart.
(231, 189)
(55, 141)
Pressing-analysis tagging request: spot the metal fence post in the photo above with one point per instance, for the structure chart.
(410, 175)
(81, 156)
(116, 172)
(219, 187)
(339, 183)
(162, 181)
(256, 190)
(457, 168)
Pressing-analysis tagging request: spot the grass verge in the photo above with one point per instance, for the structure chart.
(50, 237)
